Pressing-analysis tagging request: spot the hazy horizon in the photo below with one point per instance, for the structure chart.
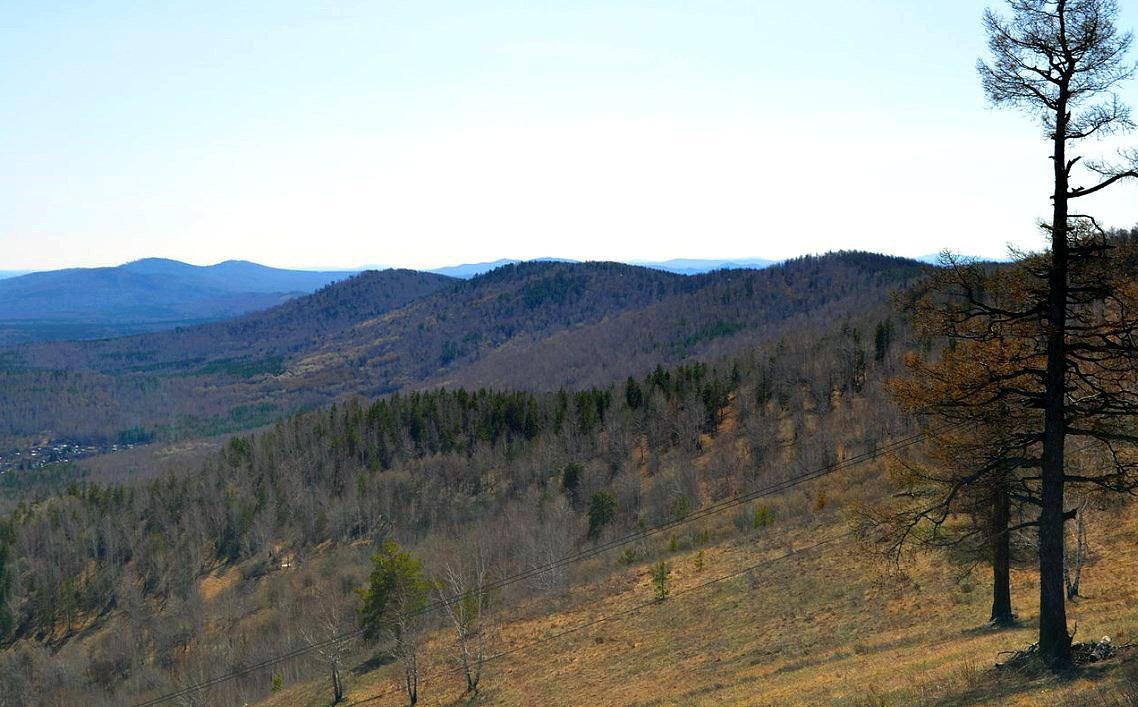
(11, 272)
(331, 132)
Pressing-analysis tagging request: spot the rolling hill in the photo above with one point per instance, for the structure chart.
(734, 473)
(230, 575)
(156, 294)
(679, 266)
(141, 296)
(696, 266)
(537, 326)
(466, 271)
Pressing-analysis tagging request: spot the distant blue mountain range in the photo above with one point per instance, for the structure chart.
(154, 293)
(682, 266)
(469, 270)
(695, 266)
(144, 295)
(934, 258)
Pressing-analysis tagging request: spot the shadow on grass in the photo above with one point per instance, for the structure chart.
(988, 629)
(376, 661)
(1005, 684)
(988, 684)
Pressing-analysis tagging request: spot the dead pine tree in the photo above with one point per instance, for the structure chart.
(961, 493)
(987, 382)
(1060, 61)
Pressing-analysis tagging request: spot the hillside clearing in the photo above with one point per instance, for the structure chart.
(829, 625)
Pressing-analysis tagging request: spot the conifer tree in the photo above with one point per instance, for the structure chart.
(1060, 61)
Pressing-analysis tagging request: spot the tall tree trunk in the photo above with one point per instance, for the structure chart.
(337, 685)
(412, 687)
(1001, 556)
(1054, 641)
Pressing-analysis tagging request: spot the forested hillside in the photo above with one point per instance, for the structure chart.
(727, 311)
(836, 478)
(730, 493)
(535, 326)
(168, 382)
(289, 516)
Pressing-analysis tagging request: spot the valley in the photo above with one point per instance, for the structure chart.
(535, 326)
(742, 466)
(541, 457)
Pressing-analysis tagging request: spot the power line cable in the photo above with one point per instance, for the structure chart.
(625, 612)
(580, 556)
(620, 614)
(647, 604)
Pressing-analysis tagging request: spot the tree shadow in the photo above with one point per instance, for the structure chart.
(987, 629)
(378, 660)
(1004, 684)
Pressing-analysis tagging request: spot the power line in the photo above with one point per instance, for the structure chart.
(621, 614)
(643, 605)
(637, 607)
(579, 556)
(573, 558)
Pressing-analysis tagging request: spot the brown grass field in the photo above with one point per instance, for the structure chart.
(828, 625)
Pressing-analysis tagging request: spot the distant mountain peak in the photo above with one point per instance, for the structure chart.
(696, 266)
(680, 266)
(466, 271)
(149, 262)
(148, 294)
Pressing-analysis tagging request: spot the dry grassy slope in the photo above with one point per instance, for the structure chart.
(830, 625)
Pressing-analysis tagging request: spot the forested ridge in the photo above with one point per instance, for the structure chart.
(264, 550)
(529, 326)
(847, 478)
(417, 466)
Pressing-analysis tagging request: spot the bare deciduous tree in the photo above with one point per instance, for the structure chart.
(407, 632)
(1073, 560)
(330, 630)
(465, 601)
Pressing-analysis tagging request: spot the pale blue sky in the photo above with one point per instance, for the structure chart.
(348, 132)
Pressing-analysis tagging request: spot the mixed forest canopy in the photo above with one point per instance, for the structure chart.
(403, 479)
(426, 466)
(530, 325)
(527, 476)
